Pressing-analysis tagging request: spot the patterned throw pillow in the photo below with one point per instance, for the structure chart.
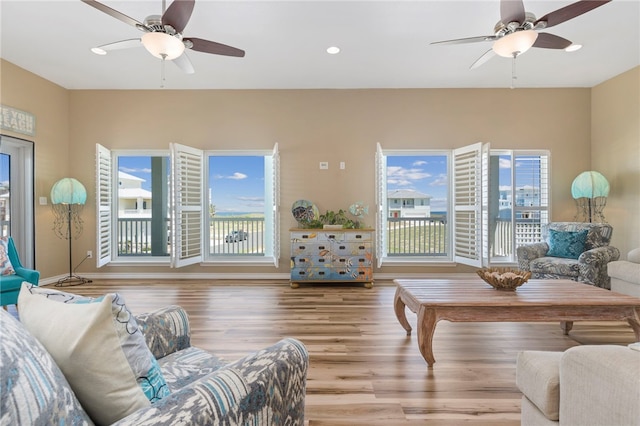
(5, 264)
(569, 245)
(98, 346)
(34, 390)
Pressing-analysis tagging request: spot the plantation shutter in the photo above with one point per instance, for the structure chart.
(486, 193)
(275, 204)
(104, 204)
(381, 204)
(186, 205)
(468, 205)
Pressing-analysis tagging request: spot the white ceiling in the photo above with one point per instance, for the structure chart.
(385, 44)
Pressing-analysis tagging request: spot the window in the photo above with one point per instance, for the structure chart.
(16, 195)
(519, 205)
(412, 199)
(470, 205)
(169, 210)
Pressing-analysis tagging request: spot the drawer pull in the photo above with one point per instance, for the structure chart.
(321, 260)
(343, 273)
(320, 273)
(321, 247)
(361, 247)
(359, 236)
(342, 247)
(302, 260)
(333, 237)
(342, 260)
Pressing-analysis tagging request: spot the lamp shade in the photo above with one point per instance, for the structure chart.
(590, 185)
(163, 46)
(68, 191)
(515, 44)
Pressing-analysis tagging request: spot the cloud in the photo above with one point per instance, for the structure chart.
(261, 199)
(419, 163)
(505, 163)
(402, 176)
(235, 176)
(441, 180)
(134, 170)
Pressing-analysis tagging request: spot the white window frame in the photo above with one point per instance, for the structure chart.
(382, 214)
(271, 210)
(107, 216)
(545, 193)
(22, 231)
(189, 236)
(468, 200)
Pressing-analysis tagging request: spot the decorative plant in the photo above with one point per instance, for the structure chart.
(331, 217)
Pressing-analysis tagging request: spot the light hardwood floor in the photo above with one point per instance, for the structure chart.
(364, 370)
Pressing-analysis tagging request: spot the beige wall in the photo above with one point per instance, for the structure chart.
(615, 152)
(50, 104)
(310, 126)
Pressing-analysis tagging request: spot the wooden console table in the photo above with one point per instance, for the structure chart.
(472, 300)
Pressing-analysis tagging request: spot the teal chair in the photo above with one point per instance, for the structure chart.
(10, 284)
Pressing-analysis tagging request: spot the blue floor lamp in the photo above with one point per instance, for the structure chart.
(68, 197)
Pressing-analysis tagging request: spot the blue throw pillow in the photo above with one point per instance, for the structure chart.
(566, 244)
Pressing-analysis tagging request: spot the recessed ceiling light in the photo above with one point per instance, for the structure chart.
(98, 51)
(333, 50)
(573, 47)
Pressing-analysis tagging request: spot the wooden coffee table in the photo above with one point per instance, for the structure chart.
(472, 300)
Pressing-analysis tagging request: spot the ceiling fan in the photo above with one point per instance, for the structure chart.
(163, 35)
(517, 30)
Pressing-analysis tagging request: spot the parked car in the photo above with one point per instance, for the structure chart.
(235, 236)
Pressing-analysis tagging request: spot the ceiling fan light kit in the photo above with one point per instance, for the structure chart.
(515, 44)
(162, 45)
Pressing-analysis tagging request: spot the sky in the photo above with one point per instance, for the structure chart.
(426, 174)
(4, 168)
(236, 182)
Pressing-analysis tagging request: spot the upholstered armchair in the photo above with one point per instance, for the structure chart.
(576, 251)
(12, 273)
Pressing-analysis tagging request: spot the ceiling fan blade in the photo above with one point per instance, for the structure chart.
(483, 59)
(184, 63)
(568, 12)
(551, 41)
(512, 11)
(114, 13)
(122, 44)
(207, 46)
(466, 40)
(178, 14)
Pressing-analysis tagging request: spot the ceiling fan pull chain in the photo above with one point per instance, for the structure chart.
(513, 72)
(162, 71)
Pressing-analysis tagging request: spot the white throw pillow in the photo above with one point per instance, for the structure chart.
(634, 256)
(91, 341)
(6, 268)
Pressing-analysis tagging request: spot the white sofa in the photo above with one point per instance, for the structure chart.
(625, 274)
(584, 386)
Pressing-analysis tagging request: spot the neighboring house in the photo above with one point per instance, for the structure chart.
(133, 200)
(525, 196)
(408, 203)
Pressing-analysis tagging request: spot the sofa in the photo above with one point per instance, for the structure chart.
(577, 251)
(625, 274)
(267, 387)
(591, 385)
